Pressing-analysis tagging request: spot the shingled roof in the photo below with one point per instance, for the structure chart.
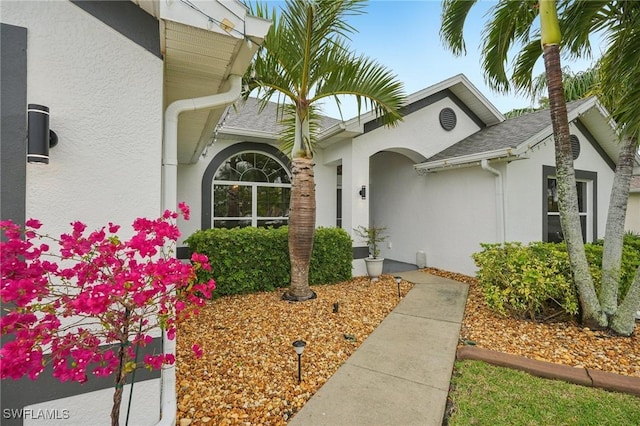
(507, 134)
(247, 115)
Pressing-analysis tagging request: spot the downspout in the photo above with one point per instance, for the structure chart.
(500, 204)
(168, 409)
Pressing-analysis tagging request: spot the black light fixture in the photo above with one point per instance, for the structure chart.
(398, 280)
(299, 345)
(363, 192)
(39, 137)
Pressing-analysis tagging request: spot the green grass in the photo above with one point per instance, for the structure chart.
(484, 394)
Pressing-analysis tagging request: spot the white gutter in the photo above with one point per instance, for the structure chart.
(168, 409)
(470, 159)
(500, 204)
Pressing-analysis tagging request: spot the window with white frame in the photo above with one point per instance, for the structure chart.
(251, 189)
(586, 185)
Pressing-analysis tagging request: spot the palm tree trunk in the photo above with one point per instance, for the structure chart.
(592, 315)
(302, 214)
(623, 321)
(301, 228)
(614, 233)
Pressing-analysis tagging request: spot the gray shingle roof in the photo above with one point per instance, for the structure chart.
(508, 134)
(247, 115)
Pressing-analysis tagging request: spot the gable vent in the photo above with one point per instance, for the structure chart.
(575, 146)
(448, 119)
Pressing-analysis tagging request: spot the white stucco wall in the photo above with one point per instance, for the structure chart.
(383, 161)
(105, 98)
(445, 214)
(94, 408)
(449, 213)
(524, 189)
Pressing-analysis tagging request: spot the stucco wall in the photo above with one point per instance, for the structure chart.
(445, 214)
(524, 189)
(104, 92)
(449, 213)
(407, 204)
(105, 97)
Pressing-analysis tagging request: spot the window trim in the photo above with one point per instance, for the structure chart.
(206, 219)
(591, 178)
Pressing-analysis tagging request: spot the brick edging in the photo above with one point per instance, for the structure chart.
(548, 370)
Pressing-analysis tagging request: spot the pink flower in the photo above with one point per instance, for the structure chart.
(184, 208)
(122, 285)
(197, 351)
(33, 223)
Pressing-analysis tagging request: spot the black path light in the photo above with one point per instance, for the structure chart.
(299, 345)
(398, 279)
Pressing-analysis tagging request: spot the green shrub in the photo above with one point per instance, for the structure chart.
(628, 265)
(247, 260)
(526, 280)
(536, 280)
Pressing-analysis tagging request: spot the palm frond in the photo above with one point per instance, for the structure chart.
(578, 20)
(524, 64)
(454, 15)
(306, 58)
(620, 73)
(373, 85)
(509, 25)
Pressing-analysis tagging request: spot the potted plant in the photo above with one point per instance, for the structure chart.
(373, 236)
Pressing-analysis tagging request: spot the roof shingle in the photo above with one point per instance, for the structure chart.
(508, 134)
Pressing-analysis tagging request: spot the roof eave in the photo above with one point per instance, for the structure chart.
(203, 43)
(503, 154)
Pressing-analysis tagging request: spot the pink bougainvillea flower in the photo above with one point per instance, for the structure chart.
(122, 285)
(184, 208)
(197, 351)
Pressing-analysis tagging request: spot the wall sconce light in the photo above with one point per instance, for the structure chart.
(363, 192)
(39, 137)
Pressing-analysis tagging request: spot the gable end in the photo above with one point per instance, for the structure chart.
(595, 145)
(424, 102)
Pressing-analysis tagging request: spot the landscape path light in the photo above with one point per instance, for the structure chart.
(398, 279)
(299, 345)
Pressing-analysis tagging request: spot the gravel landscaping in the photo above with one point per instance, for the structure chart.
(248, 374)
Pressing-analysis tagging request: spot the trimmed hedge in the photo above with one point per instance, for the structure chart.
(535, 280)
(247, 260)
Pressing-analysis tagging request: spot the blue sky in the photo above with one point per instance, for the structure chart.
(404, 36)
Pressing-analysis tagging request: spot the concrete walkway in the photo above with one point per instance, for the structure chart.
(400, 374)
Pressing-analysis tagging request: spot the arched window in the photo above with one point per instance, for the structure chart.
(251, 189)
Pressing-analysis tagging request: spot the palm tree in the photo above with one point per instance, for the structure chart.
(305, 60)
(580, 85)
(620, 20)
(619, 77)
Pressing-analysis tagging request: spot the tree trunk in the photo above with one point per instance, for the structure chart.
(624, 320)
(121, 377)
(592, 315)
(302, 220)
(614, 233)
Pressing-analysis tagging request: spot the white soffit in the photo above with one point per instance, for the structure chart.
(202, 42)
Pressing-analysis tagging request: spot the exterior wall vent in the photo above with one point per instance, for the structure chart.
(448, 119)
(575, 146)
